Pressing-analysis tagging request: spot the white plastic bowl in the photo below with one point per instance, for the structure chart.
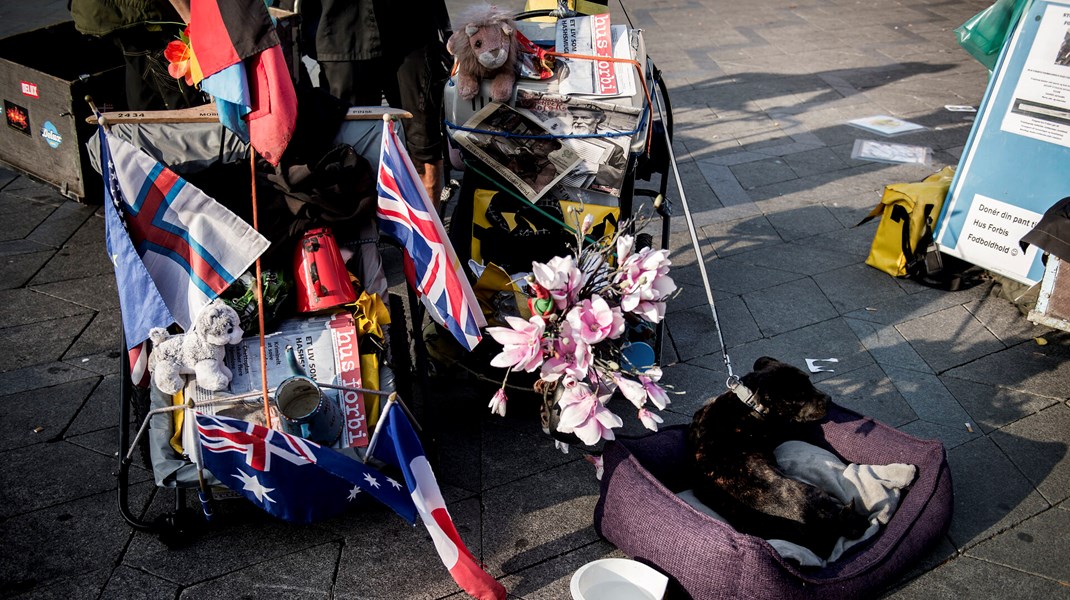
(617, 579)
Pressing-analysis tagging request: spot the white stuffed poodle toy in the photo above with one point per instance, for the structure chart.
(198, 352)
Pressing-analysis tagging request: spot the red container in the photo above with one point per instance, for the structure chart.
(320, 273)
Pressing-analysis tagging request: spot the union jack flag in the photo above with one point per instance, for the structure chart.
(407, 216)
(290, 477)
(255, 442)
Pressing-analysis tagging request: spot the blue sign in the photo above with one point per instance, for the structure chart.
(51, 134)
(1015, 165)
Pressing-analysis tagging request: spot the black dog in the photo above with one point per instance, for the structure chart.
(732, 439)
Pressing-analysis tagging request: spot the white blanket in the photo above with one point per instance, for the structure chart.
(875, 489)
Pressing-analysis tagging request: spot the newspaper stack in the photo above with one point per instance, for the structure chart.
(594, 36)
(532, 164)
(326, 348)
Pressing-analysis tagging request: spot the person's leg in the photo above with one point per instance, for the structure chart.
(421, 78)
(148, 84)
(358, 82)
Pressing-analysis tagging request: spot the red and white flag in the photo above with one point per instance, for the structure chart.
(403, 449)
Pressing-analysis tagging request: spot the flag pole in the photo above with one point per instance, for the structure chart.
(259, 295)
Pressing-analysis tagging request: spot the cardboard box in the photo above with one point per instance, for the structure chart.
(45, 75)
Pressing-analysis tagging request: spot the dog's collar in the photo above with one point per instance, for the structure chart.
(746, 396)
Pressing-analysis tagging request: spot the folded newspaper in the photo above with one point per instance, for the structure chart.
(604, 159)
(594, 36)
(530, 163)
(326, 348)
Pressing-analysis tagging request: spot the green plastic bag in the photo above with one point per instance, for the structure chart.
(241, 296)
(984, 34)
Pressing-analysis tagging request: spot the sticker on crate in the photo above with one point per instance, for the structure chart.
(28, 89)
(51, 134)
(18, 118)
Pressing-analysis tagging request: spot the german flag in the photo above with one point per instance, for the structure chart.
(238, 52)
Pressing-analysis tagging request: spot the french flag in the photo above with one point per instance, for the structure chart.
(406, 215)
(404, 450)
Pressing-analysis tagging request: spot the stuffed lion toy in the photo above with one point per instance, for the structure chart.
(199, 351)
(485, 47)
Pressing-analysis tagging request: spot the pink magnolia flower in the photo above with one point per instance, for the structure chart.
(521, 343)
(649, 419)
(655, 392)
(561, 278)
(599, 468)
(584, 414)
(497, 403)
(593, 320)
(588, 222)
(566, 354)
(634, 391)
(643, 280)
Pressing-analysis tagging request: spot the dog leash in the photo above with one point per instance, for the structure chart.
(733, 383)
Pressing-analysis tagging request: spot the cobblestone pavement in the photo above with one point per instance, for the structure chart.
(760, 95)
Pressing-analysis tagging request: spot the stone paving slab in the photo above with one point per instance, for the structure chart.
(788, 306)
(856, 286)
(74, 473)
(18, 267)
(550, 580)
(992, 406)
(25, 306)
(51, 340)
(1034, 546)
(539, 517)
(234, 541)
(305, 574)
(125, 582)
(82, 587)
(51, 409)
(693, 333)
(1032, 368)
(828, 339)
(760, 101)
(1038, 447)
(888, 346)
(949, 338)
(968, 577)
(869, 391)
(794, 257)
(74, 262)
(928, 397)
(991, 493)
(64, 541)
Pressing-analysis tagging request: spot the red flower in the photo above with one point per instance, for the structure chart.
(178, 54)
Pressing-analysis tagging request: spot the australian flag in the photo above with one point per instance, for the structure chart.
(290, 477)
(301, 481)
(406, 215)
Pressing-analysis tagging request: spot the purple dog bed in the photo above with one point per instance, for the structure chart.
(639, 512)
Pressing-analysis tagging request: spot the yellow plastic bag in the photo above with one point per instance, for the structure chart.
(908, 212)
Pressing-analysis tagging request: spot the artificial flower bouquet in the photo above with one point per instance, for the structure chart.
(583, 309)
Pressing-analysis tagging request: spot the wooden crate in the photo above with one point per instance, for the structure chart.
(1053, 306)
(45, 75)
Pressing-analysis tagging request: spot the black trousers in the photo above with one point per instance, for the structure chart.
(148, 84)
(413, 82)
